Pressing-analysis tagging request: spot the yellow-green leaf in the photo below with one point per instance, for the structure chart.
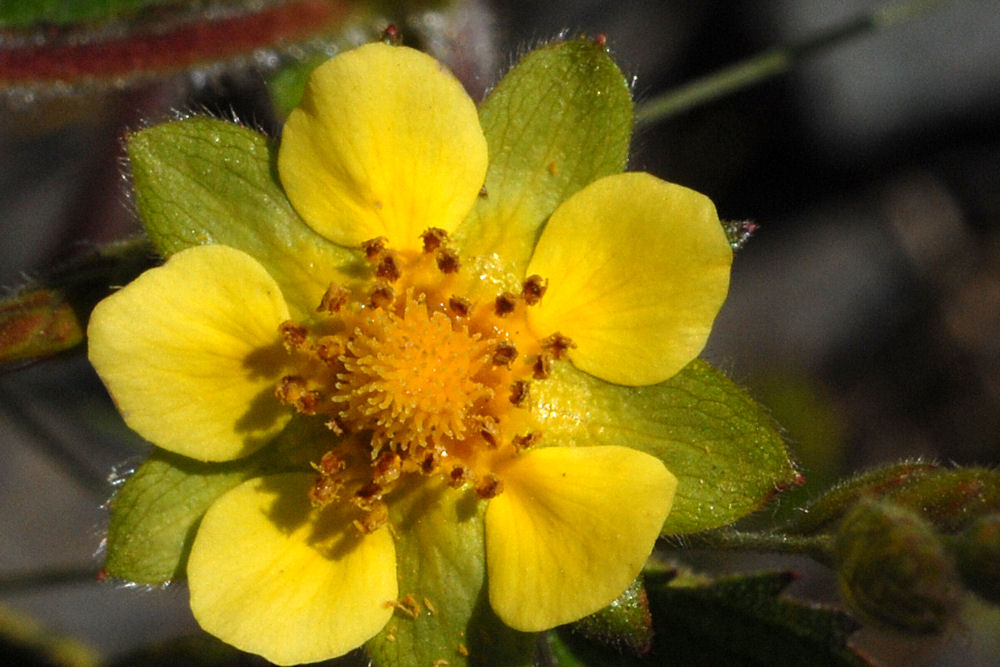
(712, 436)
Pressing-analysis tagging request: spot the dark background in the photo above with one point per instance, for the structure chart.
(865, 312)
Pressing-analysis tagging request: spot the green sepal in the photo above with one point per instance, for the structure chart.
(560, 119)
(625, 624)
(949, 498)
(722, 446)
(200, 180)
(744, 620)
(155, 514)
(441, 566)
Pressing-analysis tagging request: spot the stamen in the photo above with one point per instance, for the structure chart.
(505, 304)
(459, 306)
(542, 366)
(382, 296)
(519, 393)
(558, 345)
(459, 477)
(447, 260)
(335, 297)
(388, 267)
(373, 519)
(434, 238)
(490, 486)
(504, 354)
(374, 248)
(534, 289)
(522, 442)
(294, 335)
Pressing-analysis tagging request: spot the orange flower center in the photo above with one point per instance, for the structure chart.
(415, 378)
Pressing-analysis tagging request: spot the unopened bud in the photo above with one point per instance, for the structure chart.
(978, 555)
(894, 569)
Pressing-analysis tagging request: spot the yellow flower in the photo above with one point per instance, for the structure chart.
(420, 358)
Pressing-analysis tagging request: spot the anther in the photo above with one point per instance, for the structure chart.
(292, 390)
(534, 289)
(447, 260)
(373, 519)
(294, 335)
(519, 393)
(504, 304)
(329, 348)
(335, 297)
(366, 497)
(459, 476)
(388, 267)
(459, 306)
(490, 486)
(324, 491)
(382, 296)
(542, 366)
(374, 248)
(557, 345)
(330, 464)
(522, 442)
(490, 432)
(504, 354)
(387, 468)
(431, 462)
(434, 238)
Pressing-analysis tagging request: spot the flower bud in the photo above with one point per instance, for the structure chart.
(978, 555)
(894, 569)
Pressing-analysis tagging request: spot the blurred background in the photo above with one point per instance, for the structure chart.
(864, 312)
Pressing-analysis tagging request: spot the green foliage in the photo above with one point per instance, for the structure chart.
(735, 620)
(445, 613)
(63, 12)
(624, 624)
(977, 551)
(721, 445)
(559, 120)
(200, 181)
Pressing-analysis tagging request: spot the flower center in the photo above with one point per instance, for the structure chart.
(416, 379)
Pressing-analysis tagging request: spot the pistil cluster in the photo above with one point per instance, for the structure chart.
(416, 378)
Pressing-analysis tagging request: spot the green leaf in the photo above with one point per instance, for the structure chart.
(155, 515)
(949, 499)
(559, 120)
(623, 624)
(201, 180)
(743, 620)
(722, 446)
(441, 564)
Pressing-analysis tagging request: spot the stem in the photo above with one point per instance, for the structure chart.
(819, 548)
(27, 581)
(776, 61)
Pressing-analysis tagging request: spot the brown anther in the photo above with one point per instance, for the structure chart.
(542, 366)
(459, 306)
(387, 468)
(519, 393)
(522, 442)
(504, 304)
(382, 296)
(388, 267)
(324, 491)
(329, 348)
(366, 497)
(557, 345)
(504, 354)
(431, 462)
(330, 464)
(534, 289)
(373, 519)
(447, 260)
(434, 238)
(601, 39)
(490, 432)
(290, 389)
(374, 248)
(293, 335)
(459, 476)
(335, 297)
(490, 486)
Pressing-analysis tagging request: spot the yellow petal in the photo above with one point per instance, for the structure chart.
(271, 575)
(571, 530)
(385, 143)
(638, 269)
(190, 353)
